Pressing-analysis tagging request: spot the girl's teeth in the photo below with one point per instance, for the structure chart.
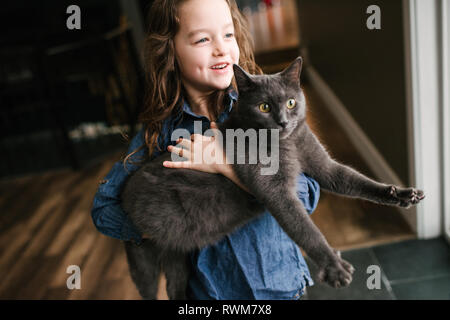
(220, 67)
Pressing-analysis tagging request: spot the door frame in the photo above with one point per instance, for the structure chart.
(445, 38)
(426, 54)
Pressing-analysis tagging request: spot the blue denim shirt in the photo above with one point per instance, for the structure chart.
(256, 261)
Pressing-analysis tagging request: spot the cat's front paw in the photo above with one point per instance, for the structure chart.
(337, 274)
(405, 197)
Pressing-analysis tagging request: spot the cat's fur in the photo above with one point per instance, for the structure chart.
(182, 210)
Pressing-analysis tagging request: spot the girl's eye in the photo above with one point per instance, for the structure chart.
(202, 40)
(229, 35)
(290, 103)
(264, 107)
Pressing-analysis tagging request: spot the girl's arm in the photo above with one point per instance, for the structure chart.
(107, 213)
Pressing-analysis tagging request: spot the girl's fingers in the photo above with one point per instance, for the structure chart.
(185, 143)
(179, 151)
(185, 148)
(214, 128)
(197, 137)
(188, 165)
(178, 164)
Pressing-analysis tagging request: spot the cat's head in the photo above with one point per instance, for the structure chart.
(271, 101)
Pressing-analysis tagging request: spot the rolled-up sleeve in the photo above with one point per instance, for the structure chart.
(107, 213)
(308, 191)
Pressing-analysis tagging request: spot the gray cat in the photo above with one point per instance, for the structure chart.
(182, 210)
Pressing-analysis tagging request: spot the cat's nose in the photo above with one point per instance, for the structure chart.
(283, 124)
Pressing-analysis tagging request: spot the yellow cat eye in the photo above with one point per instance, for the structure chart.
(290, 103)
(264, 107)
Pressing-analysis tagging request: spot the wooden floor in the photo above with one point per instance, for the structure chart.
(46, 226)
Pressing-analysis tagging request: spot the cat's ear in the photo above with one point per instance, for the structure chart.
(243, 79)
(292, 73)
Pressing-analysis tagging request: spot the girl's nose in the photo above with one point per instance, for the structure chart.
(219, 48)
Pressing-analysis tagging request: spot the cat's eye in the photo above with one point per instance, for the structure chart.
(264, 107)
(291, 103)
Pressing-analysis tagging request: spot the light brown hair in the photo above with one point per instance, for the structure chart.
(163, 81)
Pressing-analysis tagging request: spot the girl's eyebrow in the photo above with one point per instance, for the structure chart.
(193, 32)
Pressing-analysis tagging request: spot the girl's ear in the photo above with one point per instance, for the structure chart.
(292, 73)
(243, 79)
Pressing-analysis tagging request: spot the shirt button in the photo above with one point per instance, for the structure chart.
(103, 181)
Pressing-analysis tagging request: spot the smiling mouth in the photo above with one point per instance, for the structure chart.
(220, 66)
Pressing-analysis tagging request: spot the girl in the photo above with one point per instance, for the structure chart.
(190, 50)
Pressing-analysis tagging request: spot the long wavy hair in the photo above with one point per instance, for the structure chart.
(164, 90)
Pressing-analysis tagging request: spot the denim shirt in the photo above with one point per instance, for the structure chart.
(256, 261)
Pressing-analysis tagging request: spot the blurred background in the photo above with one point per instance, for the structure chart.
(377, 98)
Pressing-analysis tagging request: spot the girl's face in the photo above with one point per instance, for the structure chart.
(205, 45)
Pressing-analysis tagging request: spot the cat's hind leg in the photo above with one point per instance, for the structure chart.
(144, 268)
(176, 267)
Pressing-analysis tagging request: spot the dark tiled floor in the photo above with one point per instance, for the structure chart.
(413, 269)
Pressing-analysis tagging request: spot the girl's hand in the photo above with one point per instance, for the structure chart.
(200, 152)
(207, 147)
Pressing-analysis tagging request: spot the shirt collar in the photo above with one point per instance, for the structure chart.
(233, 96)
(230, 98)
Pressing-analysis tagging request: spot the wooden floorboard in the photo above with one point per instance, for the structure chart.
(47, 226)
